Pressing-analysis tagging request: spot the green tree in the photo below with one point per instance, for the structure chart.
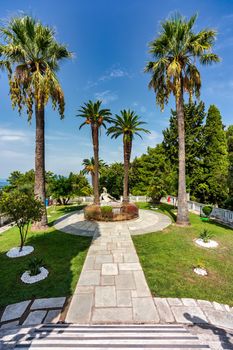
(61, 189)
(152, 174)
(112, 177)
(95, 117)
(215, 157)
(128, 125)
(22, 209)
(80, 185)
(194, 115)
(34, 56)
(174, 71)
(229, 135)
(89, 167)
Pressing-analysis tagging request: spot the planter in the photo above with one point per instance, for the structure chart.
(16, 253)
(200, 271)
(119, 212)
(210, 244)
(28, 279)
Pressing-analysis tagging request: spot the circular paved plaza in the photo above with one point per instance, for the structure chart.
(148, 221)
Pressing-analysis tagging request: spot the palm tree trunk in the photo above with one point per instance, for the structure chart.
(39, 188)
(95, 139)
(127, 152)
(182, 215)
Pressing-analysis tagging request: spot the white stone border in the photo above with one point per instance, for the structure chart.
(210, 244)
(27, 278)
(200, 271)
(16, 253)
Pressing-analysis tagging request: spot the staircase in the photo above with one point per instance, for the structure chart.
(99, 337)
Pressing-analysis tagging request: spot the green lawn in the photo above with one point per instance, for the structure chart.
(168, 258)
(62, 254)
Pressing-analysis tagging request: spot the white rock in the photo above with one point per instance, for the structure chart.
(27, 278)
(210, 244)
(201, 272)
(16, 253)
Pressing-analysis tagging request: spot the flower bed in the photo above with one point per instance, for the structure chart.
(113, 212)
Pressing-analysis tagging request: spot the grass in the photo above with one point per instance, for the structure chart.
(62, 254)
(168, 258)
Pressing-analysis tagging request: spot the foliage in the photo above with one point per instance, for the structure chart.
(112, 177)
(33, 51)
(176, 52)
(229, 136)
(106, 211)
(92, 212)
(156, 190)
(228, 204)
(215, 158)
(95, 117)
(128, 125)
(22, 209)
(206, 235)
(64, 256)
(34, 266)
(207, 210)
(130, 208)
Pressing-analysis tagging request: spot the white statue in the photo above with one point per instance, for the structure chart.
(106, 197)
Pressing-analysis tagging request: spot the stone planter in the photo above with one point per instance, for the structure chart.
(28, 279)
(16, 253)
(210, 244)
(120, 212)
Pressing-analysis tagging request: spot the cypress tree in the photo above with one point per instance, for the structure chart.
(229, 135)
(215, 158)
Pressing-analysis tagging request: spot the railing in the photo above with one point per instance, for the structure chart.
(223, 215)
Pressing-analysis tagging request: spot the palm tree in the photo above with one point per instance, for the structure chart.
(89, 167)
(174, 71)
(34, 55)
(128, 125)
(95, 117)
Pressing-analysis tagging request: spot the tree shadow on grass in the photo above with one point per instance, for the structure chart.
(65, 212)
(168, 209)
(63, 255)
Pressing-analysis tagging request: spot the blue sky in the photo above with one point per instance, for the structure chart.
(109, 40)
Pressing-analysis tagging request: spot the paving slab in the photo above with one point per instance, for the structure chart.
(109, 269)
(220, 318)
(105, 296)
(164, 310)
(34, 318)
(10, 324)
(112, 315)
(48, 303)
(80, 308)
(188, 314)
(52, 316)
(14, 311)
(144, 310)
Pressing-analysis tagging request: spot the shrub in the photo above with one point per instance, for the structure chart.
(22, 209)
(34, 266)
(207, 209)
(228, 204)
(92, 212)
(130, 208)
(206, 235)
(106, 211)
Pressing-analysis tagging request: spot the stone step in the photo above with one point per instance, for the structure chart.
(99, 337)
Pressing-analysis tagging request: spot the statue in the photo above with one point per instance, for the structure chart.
(106, 197)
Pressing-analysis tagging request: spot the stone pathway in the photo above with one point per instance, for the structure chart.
(112, 287)
(148, 221)
(32, 312)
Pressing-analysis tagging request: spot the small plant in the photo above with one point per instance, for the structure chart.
(207, 210)
(106, 211)
(206, 235)
(92, 212)
(200, 265)
(34, 266)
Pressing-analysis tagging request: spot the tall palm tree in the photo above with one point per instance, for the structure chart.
(95, 117)
(34, 55)
(176, 52)
(128, 124)
(89, 167)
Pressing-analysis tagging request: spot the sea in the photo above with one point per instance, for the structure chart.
(3, 183)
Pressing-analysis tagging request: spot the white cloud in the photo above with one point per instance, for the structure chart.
(113, 73)
(11, 135)
(106, 96)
